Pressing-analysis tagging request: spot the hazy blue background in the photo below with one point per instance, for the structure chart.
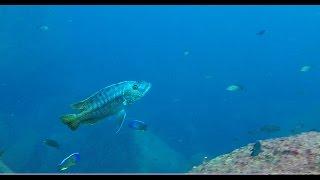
(190, 54)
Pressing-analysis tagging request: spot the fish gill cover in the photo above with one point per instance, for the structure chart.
(222, 77)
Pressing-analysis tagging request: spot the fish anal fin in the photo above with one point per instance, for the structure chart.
(91, 121)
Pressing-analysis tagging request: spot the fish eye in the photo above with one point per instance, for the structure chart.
(135, 87)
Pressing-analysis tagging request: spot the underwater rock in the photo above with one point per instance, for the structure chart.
(4, 131)
(4, 168)
(20, 153)
(156, 156)
(298, 154)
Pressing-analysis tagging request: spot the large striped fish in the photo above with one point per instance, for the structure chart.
(107, 102)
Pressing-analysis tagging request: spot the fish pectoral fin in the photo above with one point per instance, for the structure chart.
(120, 117)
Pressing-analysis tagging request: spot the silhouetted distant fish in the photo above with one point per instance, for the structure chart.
(256, 150)
(69, 161)
(260, 33)
(138, 125)
(51, 143)
(270, 128)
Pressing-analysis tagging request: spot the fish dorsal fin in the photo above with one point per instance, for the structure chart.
(86, 103)
(108, 93)
(79, 105)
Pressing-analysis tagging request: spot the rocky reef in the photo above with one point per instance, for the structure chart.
(298, 154)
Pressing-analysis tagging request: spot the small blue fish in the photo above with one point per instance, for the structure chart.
(256, 150)
(138, 125)
(69, 161)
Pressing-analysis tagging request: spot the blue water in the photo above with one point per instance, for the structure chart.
(53, 56)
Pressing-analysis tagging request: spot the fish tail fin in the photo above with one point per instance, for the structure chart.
(71, 120)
